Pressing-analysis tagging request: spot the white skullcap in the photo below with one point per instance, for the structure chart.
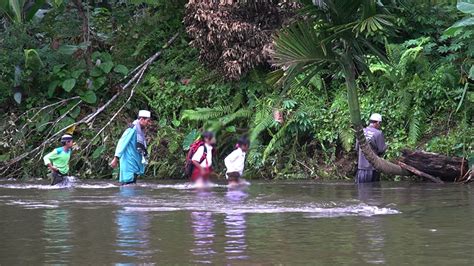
(376, 117)
(144, 113)
(66, 137)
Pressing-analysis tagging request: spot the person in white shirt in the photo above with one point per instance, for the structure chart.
(202, 159)
(235, 162)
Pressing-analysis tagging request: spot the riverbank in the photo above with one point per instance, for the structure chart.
(50, 80)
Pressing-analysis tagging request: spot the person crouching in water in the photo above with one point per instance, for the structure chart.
(58, 160)
(202, 160)
(235, 162)
(131, 150)
(366, 173)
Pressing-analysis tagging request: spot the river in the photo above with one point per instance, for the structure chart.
(266, 223)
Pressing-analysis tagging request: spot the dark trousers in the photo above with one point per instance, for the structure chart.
(57, 178)
(367, 176)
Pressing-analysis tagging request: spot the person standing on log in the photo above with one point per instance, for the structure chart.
(131, 150)
(365, 171)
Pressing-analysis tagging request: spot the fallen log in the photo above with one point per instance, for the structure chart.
(420, 173)
(448, 169)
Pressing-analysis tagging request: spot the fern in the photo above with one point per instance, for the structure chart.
(263, 121)
(204, 114)
(405, 100)
(241, 113)
(279, 140)
(346, 135)
(416, 126)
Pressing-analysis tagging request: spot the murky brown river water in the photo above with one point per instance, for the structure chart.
(265, 223)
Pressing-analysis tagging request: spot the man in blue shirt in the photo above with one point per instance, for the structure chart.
(131, 150)
(365, 171)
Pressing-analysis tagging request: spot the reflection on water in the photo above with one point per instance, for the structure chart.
(132, 229)
(266, 224)
(203, 230)
(235, 244)
(57, 235)
(371, 231)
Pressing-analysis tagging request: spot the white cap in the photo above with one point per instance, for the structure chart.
(144, 113)
(66, 137)
(376, 117)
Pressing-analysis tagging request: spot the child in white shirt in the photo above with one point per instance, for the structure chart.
(235, 162)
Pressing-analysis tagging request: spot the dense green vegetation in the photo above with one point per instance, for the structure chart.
(60, 67)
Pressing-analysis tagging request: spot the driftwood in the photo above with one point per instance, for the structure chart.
(447, 169)
(420, 173)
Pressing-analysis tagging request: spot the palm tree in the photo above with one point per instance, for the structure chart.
(341, 34)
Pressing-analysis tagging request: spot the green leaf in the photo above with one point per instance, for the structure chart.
(96, 72)
(98, 152)
(176, 123)
(69, 84)
(106, 66)
(77, 73)
(89, 97)
(68, 49)
(231, 129)
(75, 112)
(468, 21)
(16, 7)
(190, 138)
(57, 68)
(466, 6)
(52, 87)
(67, 121)
(471, 72)
(98, 82)
(121, 69)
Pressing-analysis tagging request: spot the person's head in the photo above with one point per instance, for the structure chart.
(208, 138)
(243, 143)
(144, 118)
(375, 120)
(67, 141)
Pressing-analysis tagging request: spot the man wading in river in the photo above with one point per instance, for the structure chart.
(365, 171)
(58, 160)
(131, 150)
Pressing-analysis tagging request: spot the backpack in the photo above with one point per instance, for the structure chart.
(189, 166)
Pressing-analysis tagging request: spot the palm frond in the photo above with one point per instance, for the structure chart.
(299, 48)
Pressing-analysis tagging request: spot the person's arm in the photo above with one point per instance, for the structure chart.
(121, 145)
(47, 160)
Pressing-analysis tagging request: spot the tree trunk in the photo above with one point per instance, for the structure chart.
(85, 31)
(448, 169)
(378, 163)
